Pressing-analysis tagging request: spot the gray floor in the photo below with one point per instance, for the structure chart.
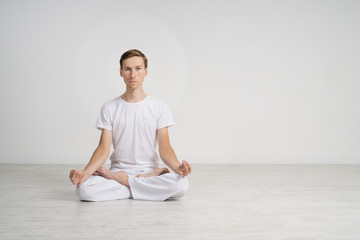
(224, 202)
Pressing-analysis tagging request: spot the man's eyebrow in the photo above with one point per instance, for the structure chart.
(135, 66)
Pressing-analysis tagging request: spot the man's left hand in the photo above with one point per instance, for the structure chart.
(184, 169)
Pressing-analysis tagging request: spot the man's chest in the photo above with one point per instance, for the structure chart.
(134, 120)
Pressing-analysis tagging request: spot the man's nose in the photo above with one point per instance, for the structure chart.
(133, 73)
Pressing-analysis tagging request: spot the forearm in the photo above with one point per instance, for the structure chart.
(168, 156)
(98, 158)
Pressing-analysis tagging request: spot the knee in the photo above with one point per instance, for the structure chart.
(83, 192)
(182, 186)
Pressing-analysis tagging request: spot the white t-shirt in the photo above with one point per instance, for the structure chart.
(134, 127)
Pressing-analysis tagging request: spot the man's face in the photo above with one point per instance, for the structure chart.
(133, 71)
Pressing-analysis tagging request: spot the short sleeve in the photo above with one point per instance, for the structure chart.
(104, 119)
(166, 118)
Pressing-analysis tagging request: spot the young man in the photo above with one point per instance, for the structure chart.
(134, 122)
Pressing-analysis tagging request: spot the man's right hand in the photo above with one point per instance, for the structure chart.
(78, 176)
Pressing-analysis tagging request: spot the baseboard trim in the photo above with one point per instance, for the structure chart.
(194, 159)
(273, 159)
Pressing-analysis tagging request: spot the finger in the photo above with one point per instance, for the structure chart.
(82, 179)
(181, 171)
(188, 165)
(185, 166)
(75, 176)
(80, 182)
(71, 176)
(74, 180)
(185, 169)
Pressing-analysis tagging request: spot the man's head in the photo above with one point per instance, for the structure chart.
(133, 53)
(133, 68)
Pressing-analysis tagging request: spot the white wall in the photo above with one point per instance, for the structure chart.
(247, 81)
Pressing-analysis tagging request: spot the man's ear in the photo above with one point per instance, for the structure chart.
(146, 71)
(121, 73)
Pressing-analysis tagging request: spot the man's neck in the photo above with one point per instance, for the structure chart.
(133, 96)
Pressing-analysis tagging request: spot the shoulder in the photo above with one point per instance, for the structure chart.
(112, 103)
(157, 102)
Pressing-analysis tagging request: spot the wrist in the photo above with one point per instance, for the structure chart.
(87, 173)
(177, 169)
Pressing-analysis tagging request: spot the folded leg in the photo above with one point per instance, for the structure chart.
(98, 188)
(158, 188)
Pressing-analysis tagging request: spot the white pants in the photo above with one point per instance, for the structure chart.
(156, 188)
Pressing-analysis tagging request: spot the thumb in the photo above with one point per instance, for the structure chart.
(79, 184)
(81, 181)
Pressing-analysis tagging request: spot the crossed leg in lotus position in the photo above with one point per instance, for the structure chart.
(122, 176)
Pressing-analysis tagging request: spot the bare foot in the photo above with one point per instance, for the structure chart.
(157, 172)
(104, 172)
(120, 177)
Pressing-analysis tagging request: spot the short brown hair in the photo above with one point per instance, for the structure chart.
(133, 53)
